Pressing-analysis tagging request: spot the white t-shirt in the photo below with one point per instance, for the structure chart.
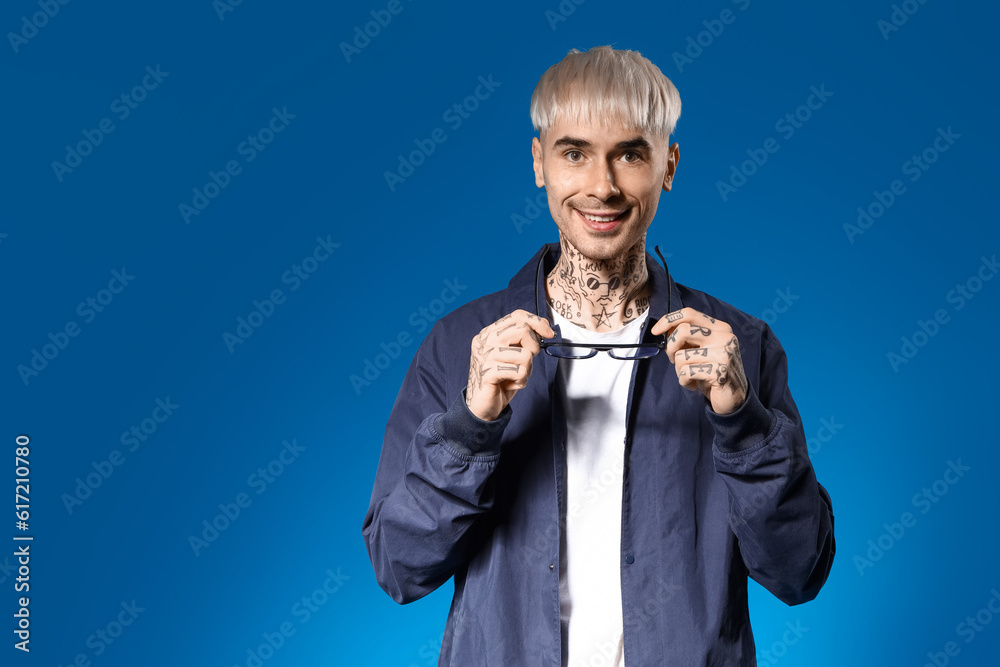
(596, 398)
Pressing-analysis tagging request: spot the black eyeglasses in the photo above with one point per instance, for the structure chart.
(622, 351)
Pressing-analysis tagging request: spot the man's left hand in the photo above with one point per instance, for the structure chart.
(706, 355)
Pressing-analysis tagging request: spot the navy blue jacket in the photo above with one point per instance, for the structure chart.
(708, 499)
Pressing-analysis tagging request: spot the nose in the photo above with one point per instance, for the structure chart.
(602, 182)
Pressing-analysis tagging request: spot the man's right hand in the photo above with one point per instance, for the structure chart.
(501, 361)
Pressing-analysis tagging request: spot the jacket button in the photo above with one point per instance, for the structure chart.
(629, 558)
(552, 566)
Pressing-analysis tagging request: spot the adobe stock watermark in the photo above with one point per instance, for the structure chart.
(294, 276)
(828, 427)
(899, 16)
(249, 149)
(924, 500)
(223, 7)
(563, 11)
(133, 438)
(696, 44)
(959, 296)
(420, 321)
(106, 635)
(533, 208)
(915, 167)
(544, 544)
(765, 492)
(381, 18)
(603, 651)
(597, 485)
(454, 116)
(430, 650)
(779, 648)
(662, 595)
(302, 611)
(258, 481)
(783, 301)
(122, 107)
(967, 629)
(38, 20)
(88, 309)
(786, 126)
(7, 569)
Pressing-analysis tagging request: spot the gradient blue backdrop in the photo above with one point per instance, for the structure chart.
(462, 217)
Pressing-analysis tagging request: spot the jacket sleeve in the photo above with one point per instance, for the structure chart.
(781, 515)
(433, 482)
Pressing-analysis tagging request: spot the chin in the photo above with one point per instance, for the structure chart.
(599, 249)
(600, 245)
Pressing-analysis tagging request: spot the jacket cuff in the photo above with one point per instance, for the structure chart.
(747, 426)
(469, 435)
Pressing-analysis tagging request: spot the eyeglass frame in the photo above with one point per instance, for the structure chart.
(661, 344)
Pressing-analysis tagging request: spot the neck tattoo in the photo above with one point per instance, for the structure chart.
(600, 295)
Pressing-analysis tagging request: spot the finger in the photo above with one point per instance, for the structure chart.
(524, 372)
(691, 354)
(685, 379)
(686, 315)
(523, 332)
(665, 323)
(688, 336)
(529, 342)
(502, 373)
(540, 326)
(511, 355)
(714, 370)
(691, 374)
(508, 331)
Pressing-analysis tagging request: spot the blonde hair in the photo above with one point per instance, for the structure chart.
(606, 86)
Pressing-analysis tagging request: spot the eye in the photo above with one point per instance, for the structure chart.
(631, 156)
(574, 156)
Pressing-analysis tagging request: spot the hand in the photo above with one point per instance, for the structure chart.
(706, 355)
(501, 361)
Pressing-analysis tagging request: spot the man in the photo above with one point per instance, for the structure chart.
(603, 503)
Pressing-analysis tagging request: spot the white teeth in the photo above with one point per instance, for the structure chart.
(599, 218)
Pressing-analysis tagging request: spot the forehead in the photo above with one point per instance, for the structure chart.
(599, 134)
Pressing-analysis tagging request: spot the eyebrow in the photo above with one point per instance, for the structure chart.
(637, 142)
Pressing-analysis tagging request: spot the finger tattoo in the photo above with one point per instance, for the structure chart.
(722, 374)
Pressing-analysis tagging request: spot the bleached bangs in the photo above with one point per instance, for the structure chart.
(605, 86)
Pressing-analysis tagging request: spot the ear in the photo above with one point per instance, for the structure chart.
(536, 155)
(673, 157)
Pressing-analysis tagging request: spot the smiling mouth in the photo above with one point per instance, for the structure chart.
(608, 217)
(602, 221)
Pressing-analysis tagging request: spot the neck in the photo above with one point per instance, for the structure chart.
(599, 295)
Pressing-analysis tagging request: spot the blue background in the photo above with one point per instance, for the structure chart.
(455, 218)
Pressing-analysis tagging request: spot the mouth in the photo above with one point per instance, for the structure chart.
(602, 221)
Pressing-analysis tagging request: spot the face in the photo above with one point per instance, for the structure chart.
(603, 183)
